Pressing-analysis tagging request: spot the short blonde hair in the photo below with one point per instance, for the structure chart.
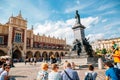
(44, 65)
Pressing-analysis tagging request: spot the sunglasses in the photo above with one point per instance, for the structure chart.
(7, 67)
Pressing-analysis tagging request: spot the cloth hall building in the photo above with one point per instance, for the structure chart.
(17, 40)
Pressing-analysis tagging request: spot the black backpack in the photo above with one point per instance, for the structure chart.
(117, 72)
(89, 76)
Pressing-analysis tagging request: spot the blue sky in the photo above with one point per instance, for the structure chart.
(56, 17)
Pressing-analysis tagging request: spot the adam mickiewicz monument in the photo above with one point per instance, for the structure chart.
(81, 44)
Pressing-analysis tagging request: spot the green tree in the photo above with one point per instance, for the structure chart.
(97, 50)
(104, 51)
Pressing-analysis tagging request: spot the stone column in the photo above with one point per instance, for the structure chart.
(31, 44)
(24, 47)
(100, 63)
(10, 39)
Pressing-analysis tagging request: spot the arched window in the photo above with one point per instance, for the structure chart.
(1, 40)
(18, 37)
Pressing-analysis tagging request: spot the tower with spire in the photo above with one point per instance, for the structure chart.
(20, 15)
(32, 27)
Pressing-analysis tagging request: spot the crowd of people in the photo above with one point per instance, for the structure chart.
(52, 59)
(68, 71)
(4, 69)
(112, 69)
(67, 74)
(32, 61)
(116, 55)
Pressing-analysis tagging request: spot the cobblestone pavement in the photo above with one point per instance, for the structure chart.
(29, 72)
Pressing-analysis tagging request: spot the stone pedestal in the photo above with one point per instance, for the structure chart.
(78, 30)
(82, 60)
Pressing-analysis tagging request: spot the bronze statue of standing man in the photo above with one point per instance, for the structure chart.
(77, 17)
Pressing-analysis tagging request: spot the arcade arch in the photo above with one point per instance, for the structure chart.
(29, 54)
(45, 55)
(66, 53)
(57, 54)
(51, 53)
(17, 54)
(2, 53)
(37, 55)
(61, 54)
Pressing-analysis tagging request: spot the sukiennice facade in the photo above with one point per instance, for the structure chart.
(17, 40)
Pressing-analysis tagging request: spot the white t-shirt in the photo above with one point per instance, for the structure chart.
(31, 59)
(3, 74)
(54, 76)
(1, 70)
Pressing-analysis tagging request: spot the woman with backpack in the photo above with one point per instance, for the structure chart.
(90, 75)
(111, 72)
(43, 74)
(54, 74)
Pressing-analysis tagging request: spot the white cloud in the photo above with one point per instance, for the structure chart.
(62, 29)
(89, 21)
(73, 8)
(104, 20)
(110, 25)
(93, 37)
(77, 6)
(106, 6)
(59, 29)
(108, 12)
(114, 35)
